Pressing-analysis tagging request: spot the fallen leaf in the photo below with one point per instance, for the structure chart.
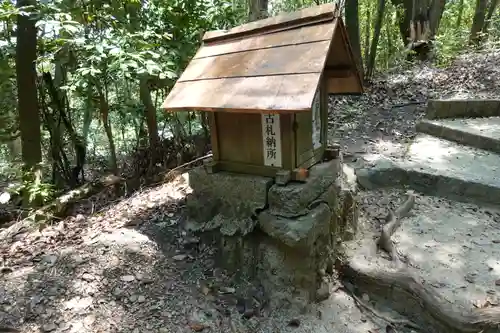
(205, 290)
(197, 327)
(127, 278)
(227, 290)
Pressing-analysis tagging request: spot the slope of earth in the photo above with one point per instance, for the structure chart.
(382, 121)
(128, 266)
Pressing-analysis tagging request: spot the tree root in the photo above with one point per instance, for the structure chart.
(393, 222)
(406, 293)
(393, 321)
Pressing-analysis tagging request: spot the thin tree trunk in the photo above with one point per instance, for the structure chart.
(144, 91)
(489, 15)
(150, 113)
(367, 31)
(104, 107)
(87, 116)
(435, 16)
(376, 36)
(29, 117)
(478, 22)
(352, 22)
(460, 15)
(389, 43)
(258, 9)
(404, 18)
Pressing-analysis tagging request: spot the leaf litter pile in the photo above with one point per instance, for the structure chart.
(383, 120)
(126, 265)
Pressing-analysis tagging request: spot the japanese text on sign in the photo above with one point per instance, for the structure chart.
(271, 137)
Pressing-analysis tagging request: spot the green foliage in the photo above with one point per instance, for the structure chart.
(31, 190)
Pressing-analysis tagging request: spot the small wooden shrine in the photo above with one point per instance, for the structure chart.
(265, 85)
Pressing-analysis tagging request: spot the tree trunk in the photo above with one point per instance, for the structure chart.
(489, 15)
(104, 107)
(144, 91)
(436, 13)
(376, 35)
(460, 15)
(414, 25)
(404, 18)
(389, 48)
(150, 113)
(352, 23)
(258, 9)
(478, 22)
(87, 116)
(367, 32)
(29, 117)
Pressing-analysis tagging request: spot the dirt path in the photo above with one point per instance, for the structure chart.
(129, 267)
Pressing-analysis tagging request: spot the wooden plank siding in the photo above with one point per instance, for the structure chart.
(307, 34)
(287, 21)
(284, 60)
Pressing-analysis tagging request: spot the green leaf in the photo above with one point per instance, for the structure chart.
(115, 51)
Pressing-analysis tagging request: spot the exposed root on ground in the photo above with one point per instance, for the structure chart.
(395, 283)
(393, 222)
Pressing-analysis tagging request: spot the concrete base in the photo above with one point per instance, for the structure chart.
(455, 158)
(438, 167)
(483, 133)
(458, 108)
(283, 236)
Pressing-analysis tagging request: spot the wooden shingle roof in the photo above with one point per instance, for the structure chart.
(273, 64)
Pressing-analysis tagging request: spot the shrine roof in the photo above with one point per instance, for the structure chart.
(274, 64)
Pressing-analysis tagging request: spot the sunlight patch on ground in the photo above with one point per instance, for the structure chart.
(485, 127)
(388, 146)
(398, 79)
(454, 247)
(425, 149)
(78, 303)
(22, 273)
(123, 237)
(446, 254)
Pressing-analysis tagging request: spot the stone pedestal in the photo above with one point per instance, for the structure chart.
(283, 236)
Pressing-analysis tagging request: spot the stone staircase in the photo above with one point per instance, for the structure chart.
(456, 154)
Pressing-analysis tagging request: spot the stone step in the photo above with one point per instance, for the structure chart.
(462, 108)
(439, 167)
(481, 133)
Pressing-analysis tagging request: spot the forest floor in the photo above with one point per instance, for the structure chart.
(126, 265)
